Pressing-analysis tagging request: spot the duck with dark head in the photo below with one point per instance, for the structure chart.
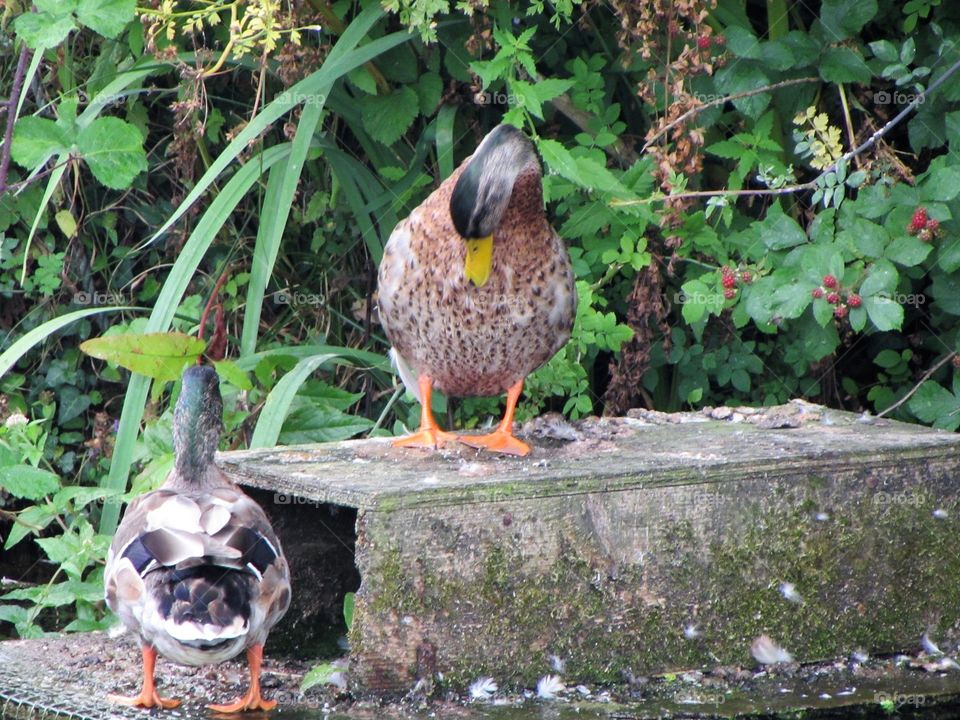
(195, 569)
(476, 288)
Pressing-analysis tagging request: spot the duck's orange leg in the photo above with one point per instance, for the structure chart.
(253, 700)
(502, 439)
(148, 697)
(430, 435)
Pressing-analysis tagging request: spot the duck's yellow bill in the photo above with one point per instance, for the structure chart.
(479, 260)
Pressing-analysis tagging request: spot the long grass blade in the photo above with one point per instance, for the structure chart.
(25, 343)
(281, 186)
(278, 402)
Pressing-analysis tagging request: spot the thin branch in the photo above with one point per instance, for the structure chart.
(722, 101)
(926, 376)
(12, 103)
(859, 150)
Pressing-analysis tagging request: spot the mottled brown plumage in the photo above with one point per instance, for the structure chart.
(195, 569)
(468, 340)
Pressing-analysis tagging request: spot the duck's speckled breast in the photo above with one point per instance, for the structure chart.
(477, 341)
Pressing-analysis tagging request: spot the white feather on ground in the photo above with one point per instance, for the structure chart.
(766, 652)
(929, 646)
(549, 686)
(789, 591)
(482, 688)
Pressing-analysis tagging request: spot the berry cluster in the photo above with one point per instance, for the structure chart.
(925, 228)
(730, 278)
(830, 290)
(703, 42)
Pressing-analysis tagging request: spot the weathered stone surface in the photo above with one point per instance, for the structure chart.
(603, 550)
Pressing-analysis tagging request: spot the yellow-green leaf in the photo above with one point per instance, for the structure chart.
(66, 223)
(161, 356)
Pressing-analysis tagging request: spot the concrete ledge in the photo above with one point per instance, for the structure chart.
(603, 549)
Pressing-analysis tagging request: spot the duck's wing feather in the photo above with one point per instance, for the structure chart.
(210, 561)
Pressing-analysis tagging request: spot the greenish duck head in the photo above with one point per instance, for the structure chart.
(483, 191)
(197, 421)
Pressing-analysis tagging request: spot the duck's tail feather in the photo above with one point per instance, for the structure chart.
(407, 374)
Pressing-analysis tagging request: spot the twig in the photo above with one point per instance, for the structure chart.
(859, 150)
(722, 101)
(12, 103)
(211, 301)
(926, 376)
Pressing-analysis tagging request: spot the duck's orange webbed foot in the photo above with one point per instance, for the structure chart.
(250, 701)
(253, 700)
(430, 435)
(144, 700)
(502, 440)
(148, 696)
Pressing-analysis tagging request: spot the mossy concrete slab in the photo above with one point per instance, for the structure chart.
(652, 543)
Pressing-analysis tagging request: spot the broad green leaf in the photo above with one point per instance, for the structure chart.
(779, 231)
(550, 88)
(882, 277)
(949, 258)
(107, 17)
(741, 77)
(865, 238)
(844, 65)
(26, 481)
(33, 519)
(791, 300)
(229, 372)
(934, 404)
(43, 30)
(310, 422)
(560, 161)
(388, 117)
(908, 251)
(883, 312)
(161, 356)
(842, 19)
(35, 139)
(113, 148)
(429, 90)
(885, 51)
(941, 185)
(81, 496)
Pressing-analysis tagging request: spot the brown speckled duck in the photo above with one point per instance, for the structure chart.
(476, 288)
(195, 568)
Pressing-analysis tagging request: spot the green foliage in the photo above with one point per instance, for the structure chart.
(742, 257)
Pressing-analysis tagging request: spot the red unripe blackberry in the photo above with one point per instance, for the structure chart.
(919, 221)
(829, 281)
